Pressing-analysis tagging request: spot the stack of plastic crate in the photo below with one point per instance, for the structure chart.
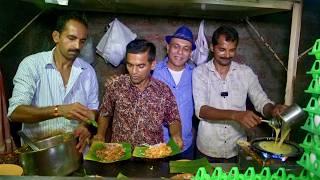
(310, 159)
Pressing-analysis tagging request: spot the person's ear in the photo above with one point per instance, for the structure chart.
(153, 64)
(55, 36)
(211, 47)
(168, 48)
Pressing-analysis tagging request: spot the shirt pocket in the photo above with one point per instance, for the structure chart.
(238, 97)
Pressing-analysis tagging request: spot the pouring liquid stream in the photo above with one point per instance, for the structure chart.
(278, 146)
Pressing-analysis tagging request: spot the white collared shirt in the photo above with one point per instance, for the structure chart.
(38, 83)
(218, 138)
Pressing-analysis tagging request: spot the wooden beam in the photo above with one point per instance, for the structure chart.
(272, 4)
(293, 51)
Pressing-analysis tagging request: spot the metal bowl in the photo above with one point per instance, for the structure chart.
(57, 156)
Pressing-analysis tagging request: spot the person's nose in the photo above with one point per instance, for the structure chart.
(77, 44)
(227, 54)
(134, 70)
(179, 50)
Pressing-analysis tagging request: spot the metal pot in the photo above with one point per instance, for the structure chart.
(57, 156)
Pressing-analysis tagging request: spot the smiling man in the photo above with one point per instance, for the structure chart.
(176, 72)
(138, 105)
(220, 89)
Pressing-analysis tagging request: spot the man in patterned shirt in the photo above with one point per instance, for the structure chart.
(138, 105)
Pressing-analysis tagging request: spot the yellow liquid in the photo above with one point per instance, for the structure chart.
(278, 147)
(277, 130)
(275, 148)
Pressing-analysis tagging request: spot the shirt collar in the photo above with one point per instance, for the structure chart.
(49, 62)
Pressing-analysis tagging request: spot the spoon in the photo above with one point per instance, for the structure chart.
(28, 141)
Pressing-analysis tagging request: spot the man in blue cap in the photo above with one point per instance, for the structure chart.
(177, 74)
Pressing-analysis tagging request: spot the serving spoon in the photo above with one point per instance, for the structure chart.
(28, 141)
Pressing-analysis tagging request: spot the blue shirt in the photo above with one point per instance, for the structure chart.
(39, 83)
(183, 93)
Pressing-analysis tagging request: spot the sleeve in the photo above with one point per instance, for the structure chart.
(256, 94)
(199, 88)
(93, 102)
(171, 109)
(25, 83)
(107, 105)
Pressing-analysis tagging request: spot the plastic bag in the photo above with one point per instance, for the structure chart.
(87, 52)
(112, 46)
(200, 54)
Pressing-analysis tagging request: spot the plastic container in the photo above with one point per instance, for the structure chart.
(313, 106)
(315, 69)
(316, 49)
(312, 124)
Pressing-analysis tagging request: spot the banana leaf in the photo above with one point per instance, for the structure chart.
(91, 155)
(190, 166)
(139, 151)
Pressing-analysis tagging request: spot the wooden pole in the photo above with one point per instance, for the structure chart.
(293, 51)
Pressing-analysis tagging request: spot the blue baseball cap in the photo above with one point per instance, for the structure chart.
(182, 32)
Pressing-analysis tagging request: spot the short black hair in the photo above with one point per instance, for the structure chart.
(138, 46)
(229, 32)
(63, 19)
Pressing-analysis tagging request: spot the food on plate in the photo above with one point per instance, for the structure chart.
(110, 152)
(182, 176)
(158, 151)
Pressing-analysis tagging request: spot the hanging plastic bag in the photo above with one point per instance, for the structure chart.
(87, 52)
(112, 46)
(200, 54)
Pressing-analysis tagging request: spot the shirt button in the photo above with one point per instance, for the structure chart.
(225, 127)
(225, 141)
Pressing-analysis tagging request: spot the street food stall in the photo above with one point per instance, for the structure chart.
(56, 156)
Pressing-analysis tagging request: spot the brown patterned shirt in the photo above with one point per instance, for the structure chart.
(138, 116)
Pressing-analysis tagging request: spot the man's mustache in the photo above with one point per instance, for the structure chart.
(75, 50)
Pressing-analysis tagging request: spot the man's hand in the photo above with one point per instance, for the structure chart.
(76, 111)
(178, 141)
(278, 109)
(83, 135)
(247, 118)
(98, 137)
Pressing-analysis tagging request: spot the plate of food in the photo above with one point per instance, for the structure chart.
(108, 152)
(157, 151)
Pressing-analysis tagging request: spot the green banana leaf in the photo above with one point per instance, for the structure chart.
(92, 122)
(91, 155)
(139, 151)
(191, 166)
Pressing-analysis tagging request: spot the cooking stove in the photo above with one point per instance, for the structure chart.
(249, 157)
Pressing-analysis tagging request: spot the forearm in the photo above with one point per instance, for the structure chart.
(31, 114)
(211, 113)
(103, 123)
(175, 129)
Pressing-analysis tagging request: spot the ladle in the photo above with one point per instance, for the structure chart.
(28, 141)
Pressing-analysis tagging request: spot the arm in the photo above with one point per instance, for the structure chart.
(247, 118)
(203, 110)
(31, 114)
(175, 131)
(270, 110)
(103, 124)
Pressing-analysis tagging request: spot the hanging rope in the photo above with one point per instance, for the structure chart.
(304, 53)
(16, 35)
(266, 44)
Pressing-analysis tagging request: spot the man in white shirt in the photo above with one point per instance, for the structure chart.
(220, 89)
